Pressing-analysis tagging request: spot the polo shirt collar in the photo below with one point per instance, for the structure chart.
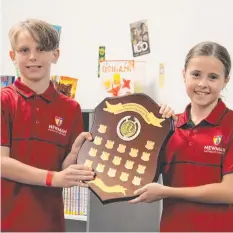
(213, 118)
(24, 90)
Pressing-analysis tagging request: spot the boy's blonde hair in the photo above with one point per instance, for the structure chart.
(42, 32)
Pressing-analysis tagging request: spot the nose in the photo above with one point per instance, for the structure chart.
(203, 82)
(32, 56)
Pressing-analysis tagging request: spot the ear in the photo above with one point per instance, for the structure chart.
(183, 73)
(226, 81)
(56, 54)
(12, 56)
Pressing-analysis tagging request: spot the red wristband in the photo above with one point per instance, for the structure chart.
(49, 179)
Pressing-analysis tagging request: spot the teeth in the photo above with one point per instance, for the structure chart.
(33, 66)
(201, 93)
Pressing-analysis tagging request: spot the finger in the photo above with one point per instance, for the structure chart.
(137, 200)
(82, 137)
(79, 177)
(81, 167)
(76, 173)
(174, 117)
(162, 108)
(140, 191)
(85, 178)
(87, 135)
(80, 184)
(169, 113)
(166, 112)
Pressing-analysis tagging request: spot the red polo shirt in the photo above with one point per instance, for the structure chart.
(40, 130)
(196, 156)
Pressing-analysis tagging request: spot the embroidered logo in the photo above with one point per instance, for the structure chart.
(56, 128)
(215, 148)
(217, 139)
(58, 120)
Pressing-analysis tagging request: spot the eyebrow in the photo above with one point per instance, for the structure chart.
(21, 46)
(215, 74)
(191, 71)
(25, 47)
(198, 71)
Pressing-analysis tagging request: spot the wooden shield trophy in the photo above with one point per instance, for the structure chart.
(128, 136)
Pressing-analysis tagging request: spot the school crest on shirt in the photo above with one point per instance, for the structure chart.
(56, 127)
(217, 139)
(215, 148)
(58, 120)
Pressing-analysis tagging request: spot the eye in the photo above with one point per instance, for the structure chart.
(213, 77)
(195, 74)
(23, 50)
(40, 49)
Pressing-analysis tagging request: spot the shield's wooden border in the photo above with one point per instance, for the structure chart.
(156, 176)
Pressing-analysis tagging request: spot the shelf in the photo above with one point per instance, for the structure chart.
(76, 217)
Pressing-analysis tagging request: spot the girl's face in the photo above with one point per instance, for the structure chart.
(204, 79)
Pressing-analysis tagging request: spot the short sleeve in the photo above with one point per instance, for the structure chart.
(5, 121)
(228, 159)
(77, 128)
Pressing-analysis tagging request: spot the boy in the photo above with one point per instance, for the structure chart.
(38, 131)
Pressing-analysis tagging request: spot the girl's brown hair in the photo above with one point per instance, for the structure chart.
(209, 48)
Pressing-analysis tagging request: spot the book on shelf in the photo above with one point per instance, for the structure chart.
(75, 201)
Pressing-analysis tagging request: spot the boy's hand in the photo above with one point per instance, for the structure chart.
(82, 137)
(72, 157)
(74, 175)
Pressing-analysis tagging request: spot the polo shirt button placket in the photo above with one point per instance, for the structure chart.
(37, 116)
(37, 111)
(190, 143)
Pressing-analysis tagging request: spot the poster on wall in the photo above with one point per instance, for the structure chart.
(122, 77)
(65, 85)
(6, 80)
(101, 57)
(140, 38)
(161, 75)
(117, 77)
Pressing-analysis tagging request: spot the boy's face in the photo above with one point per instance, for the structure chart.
(34, 64)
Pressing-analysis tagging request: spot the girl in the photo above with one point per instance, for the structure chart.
(197, 164)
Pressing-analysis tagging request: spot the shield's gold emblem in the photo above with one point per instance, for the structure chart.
(128, 129)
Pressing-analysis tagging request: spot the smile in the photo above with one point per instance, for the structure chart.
(33, 67)
(201, 93)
